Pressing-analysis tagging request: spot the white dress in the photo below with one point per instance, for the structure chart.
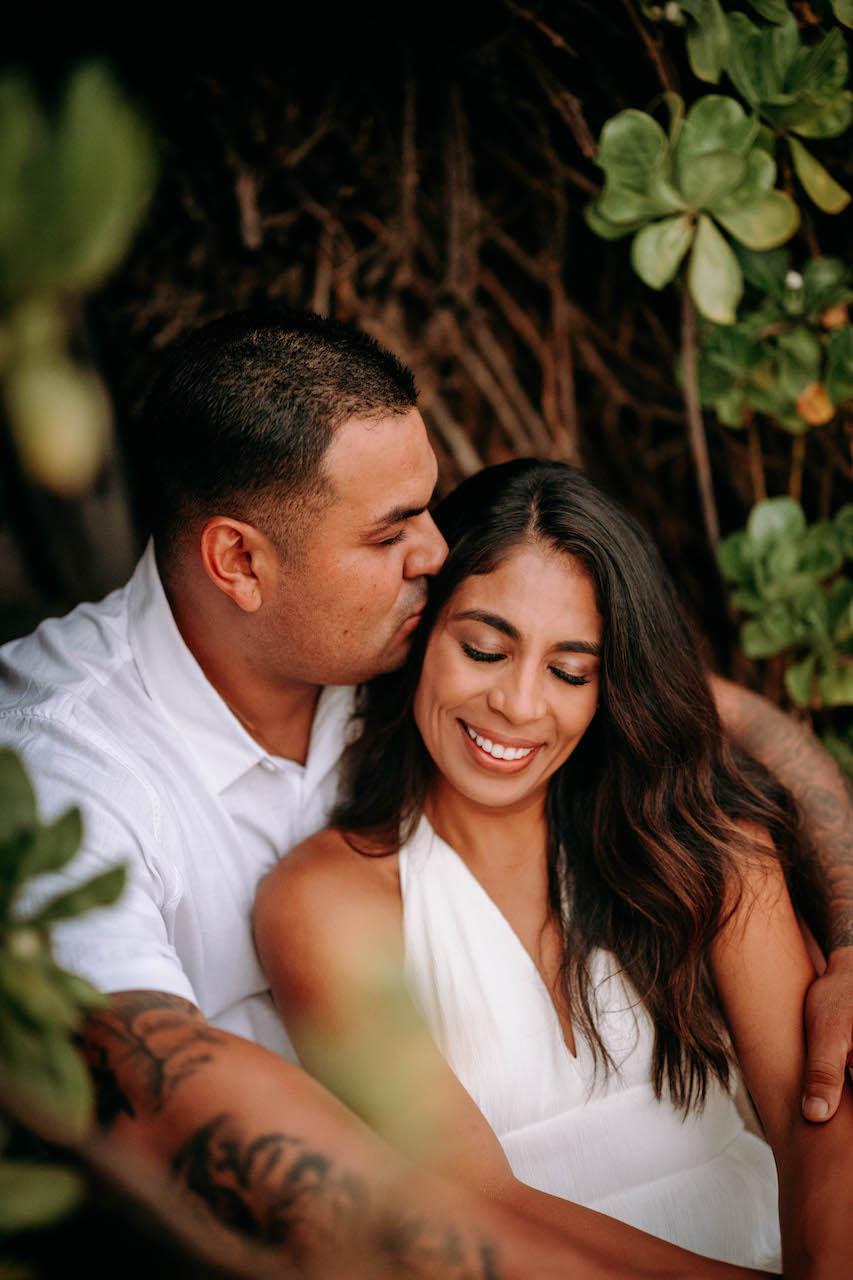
(703, 1182)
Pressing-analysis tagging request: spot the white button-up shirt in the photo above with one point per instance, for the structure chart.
(111, 712)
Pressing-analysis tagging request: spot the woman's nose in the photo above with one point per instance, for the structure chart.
(517, 695)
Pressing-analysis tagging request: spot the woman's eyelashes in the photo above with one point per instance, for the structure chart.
(491, 655)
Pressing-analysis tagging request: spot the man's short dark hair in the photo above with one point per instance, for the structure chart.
(242, 412)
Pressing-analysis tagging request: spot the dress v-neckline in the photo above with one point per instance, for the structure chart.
(515, 941)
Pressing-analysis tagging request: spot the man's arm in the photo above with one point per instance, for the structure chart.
(263, 1152)
(825, 798)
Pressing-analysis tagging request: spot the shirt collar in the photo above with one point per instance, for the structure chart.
(222, 748)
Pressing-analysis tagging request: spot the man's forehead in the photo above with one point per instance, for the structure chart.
(381, 471)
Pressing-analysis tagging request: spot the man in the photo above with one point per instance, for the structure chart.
(196, 716)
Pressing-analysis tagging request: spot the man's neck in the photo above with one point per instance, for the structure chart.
(277, 713)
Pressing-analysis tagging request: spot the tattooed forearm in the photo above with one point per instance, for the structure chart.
(274, 1189)
(824, 795)
(141, 1047)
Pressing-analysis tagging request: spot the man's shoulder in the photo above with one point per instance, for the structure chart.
(65, 662)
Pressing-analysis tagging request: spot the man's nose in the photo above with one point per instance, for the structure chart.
(428, 548)
(517, 695)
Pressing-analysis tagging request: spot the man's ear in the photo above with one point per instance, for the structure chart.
(239, 560)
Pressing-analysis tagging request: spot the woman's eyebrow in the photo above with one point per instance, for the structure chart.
(500, 624)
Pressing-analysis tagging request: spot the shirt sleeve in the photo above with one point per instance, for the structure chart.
(124, 947)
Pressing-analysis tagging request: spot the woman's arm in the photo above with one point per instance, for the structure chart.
(824, 795)
(328, 931)
(763, 972)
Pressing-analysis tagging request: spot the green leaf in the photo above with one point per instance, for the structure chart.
(736, 555)
(715, 123)
(27, 985)
(843, 521)
(800, 360)
(630, 146)
(18, 810)
(820, 69)
(714, 277)
(836, 684)
(54, 844)
(78, 990)
(45, 1070)
(658, 249)
(826, 281)
(765, 270)
(751, 66)
(839, 608)
(707, 38)
(772, 10)
(35, 1195)
(843, 10)
(774, 520)
(603, 227)
(820, 185)
(799, 680)
(822, 553)
(104, 174)
(709, 179)
(100, 891)
(822, 119)
(773, 631)
(765, 223)
(839, 376)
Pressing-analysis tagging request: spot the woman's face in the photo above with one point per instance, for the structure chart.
(510, 677)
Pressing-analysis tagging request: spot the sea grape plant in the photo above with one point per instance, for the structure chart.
(41, 1005)
(685, 191)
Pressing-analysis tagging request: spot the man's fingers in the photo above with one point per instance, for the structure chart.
(824, 1077)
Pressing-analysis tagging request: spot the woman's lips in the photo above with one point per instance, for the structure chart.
(484, 757)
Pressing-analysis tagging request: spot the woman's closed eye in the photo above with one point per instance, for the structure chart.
(493, 655)
(481, 655)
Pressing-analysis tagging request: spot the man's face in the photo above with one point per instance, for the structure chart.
(349, 598)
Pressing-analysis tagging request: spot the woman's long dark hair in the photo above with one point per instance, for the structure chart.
(646, 816)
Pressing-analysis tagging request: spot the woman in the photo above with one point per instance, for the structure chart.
(546, 834)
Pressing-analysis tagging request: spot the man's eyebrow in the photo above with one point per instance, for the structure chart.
(500, 624)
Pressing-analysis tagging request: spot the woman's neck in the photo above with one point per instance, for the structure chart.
(491, 841)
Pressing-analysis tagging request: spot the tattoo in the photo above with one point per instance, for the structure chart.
(824, 795)
(147, 1032)
(280, 1194)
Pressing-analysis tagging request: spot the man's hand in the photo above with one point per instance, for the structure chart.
(829, 1036)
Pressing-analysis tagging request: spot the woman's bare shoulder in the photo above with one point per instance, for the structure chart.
(329, 869)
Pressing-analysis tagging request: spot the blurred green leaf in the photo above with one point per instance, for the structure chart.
(714, 277)
(100, 891)
(18, 810)
(105, 177)
(54, 844)
(799, 680)
(774, 520)
(820, 186)
(27, 985)
(822, 553)
(771, 632)
(44, 1068)
(735, 555)
(658, 249)
(841, 748)
(825, 119)
(826, 281)
(843, 521)
(843, 10)
(707, 38)
(836, 684)
(764, 269)
(772, 10)
(35, 1194)
(839, 377)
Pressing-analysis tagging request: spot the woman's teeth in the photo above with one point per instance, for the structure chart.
(497, 749)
